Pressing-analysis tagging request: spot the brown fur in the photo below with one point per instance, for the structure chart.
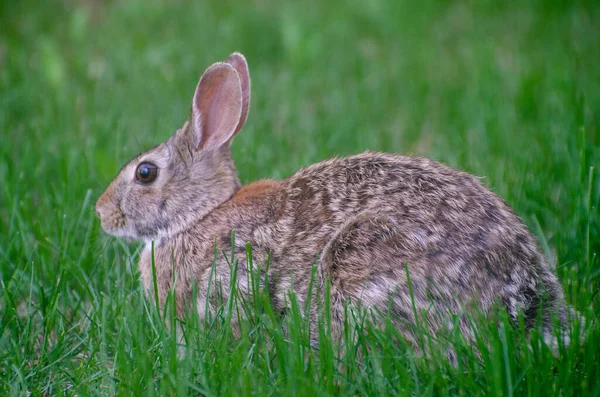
(359, 219)
(256, 189)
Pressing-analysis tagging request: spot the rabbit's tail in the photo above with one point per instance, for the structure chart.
(571, 325)
(562, 323)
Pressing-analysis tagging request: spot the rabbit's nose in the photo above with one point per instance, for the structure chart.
(98, 213)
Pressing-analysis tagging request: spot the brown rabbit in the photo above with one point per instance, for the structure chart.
(360, 219)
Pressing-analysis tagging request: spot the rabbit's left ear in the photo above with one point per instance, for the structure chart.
(240, 65)
(216, 106)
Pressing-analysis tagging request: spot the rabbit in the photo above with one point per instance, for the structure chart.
(367, 222)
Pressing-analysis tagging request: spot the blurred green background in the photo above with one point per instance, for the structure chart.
(507, 90)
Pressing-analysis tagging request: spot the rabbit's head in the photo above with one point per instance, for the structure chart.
(162, 191)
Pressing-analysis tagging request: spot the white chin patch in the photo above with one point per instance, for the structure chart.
(128, 234)
(123, 232)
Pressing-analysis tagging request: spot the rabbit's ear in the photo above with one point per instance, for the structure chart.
(238, 61)
(217, 106)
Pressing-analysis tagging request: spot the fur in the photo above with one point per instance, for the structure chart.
(359, 219)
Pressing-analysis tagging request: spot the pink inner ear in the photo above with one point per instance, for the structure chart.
(217, 106)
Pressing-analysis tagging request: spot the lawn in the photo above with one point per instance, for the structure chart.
(509, 91)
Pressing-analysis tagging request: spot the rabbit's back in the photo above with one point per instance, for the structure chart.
(437, 205)
(369, 215)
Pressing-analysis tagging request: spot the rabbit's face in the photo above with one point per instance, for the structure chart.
(135, 204)
(162, 191)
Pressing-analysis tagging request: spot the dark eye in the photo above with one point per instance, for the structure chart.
(146, 173)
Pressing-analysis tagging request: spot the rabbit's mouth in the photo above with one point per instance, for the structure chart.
(112, 219)
(113, 222)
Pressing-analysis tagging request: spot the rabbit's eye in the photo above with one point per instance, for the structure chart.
(146, 173)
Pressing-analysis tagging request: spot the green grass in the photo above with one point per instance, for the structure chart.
(505, 90)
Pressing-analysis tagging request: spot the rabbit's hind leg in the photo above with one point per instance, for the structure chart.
(363, 265)
(377, 263)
